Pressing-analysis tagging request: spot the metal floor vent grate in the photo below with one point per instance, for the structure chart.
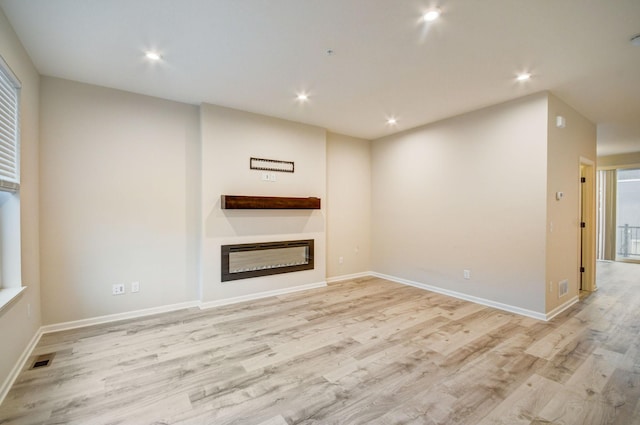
(42, 360)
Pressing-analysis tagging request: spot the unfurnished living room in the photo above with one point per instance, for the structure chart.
(319, 212)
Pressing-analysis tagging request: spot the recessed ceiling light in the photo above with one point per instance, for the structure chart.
(524, 76)
(303, 97)
(431, 15)
(635, 40)
(154, 56)
(392, 121)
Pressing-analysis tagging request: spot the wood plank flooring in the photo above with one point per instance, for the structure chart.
(366, 351)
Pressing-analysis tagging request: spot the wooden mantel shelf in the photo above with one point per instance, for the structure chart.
(236, 202)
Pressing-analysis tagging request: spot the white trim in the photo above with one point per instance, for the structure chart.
(553, 313)
(9, 295)
(471, 298)
(348, 277)
(116, 317)
(15, 372)
(17, 368)
(259, 295)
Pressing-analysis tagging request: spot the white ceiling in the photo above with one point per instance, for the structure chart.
(256, 55)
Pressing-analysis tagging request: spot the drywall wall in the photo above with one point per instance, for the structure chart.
(20, 321)
(119, 200)
(466, 193)
(229, 139)
(619, 161)
(348, 205)
(566, 148)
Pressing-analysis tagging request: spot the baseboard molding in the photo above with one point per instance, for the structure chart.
(466, 297)
(348, 277)
(259, 295)
(553, 313)
(17, 368)
(15, 372)
(118, 316)
(26, 354)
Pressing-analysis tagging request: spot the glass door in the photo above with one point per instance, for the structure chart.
(628, 215)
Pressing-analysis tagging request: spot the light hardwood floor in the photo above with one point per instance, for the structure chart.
(359, 352)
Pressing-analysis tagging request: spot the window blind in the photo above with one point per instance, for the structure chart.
(9, 130)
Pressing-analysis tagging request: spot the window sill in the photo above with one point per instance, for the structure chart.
(9, 295)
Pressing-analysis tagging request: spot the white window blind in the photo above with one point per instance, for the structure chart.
(9, 130)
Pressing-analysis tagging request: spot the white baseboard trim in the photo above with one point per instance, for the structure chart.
(466, 297)
(8, 382)
(348, 277)
(553, 313)
(116, 317)
(17, 368)
(259, 295)
(26, 354)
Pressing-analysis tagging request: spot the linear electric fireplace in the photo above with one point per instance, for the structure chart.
(263, 259)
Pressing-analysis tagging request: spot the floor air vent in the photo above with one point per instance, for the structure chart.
(43, 360)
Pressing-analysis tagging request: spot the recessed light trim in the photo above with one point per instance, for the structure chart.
(153, 56)
(635, 40)
(524, 76)
(392, 121)
(302, 97)
(431, 15)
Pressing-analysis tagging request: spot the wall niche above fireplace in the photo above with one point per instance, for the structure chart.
(263, 259)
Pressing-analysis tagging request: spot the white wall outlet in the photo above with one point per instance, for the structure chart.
(563, 288)
(265, 177)
(340, 260)
(135, 286)
(117, 289)
(550, 286)
(467, 274)
(273, 177)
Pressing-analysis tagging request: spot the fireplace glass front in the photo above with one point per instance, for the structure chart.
(262, 259)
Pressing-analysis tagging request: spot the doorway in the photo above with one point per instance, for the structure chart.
(587, 233)
(628, 215)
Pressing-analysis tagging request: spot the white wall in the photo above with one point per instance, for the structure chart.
(566, 147)
(348, 205)
(119, 200)
(229, 138)
(17, 326)
(466, 193)
(622, 160)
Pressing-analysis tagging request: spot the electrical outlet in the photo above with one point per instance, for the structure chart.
(467, 274)
(117, 289)
(29, 310)
(135, 286)
(550, 286)
(341, 260)
(273, 177)
(563, 288)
